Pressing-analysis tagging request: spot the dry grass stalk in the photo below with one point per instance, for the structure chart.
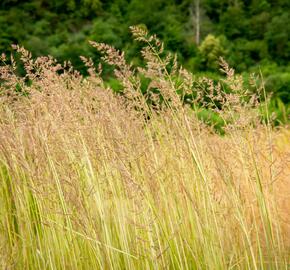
(86, 183)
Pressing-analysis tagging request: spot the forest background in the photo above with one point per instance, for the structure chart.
(253, 36)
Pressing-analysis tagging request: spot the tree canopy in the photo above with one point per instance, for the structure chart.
(249, 34)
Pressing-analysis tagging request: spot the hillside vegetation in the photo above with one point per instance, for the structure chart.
(172, 172)
(250, 34)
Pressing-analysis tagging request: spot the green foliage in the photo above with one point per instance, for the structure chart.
(233, 21)
(279, 111)
(249, 34)
(212, 119)
(210, 51)
(279, 85)
(278, 36)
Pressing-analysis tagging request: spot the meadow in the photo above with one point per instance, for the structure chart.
(93, 179)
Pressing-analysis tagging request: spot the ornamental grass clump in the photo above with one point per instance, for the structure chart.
(93, 179)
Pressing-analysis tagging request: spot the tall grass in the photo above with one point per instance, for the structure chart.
(95, 180)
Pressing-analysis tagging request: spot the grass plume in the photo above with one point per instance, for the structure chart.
(88, 182)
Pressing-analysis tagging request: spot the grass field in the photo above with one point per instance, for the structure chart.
(94, 180)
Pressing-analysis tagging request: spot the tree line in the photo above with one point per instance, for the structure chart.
(252, 35)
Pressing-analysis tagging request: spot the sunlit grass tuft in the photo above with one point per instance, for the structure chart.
(94, 180)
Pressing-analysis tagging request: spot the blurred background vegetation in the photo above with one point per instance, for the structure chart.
(252, 35)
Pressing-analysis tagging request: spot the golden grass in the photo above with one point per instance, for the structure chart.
(88, 183)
